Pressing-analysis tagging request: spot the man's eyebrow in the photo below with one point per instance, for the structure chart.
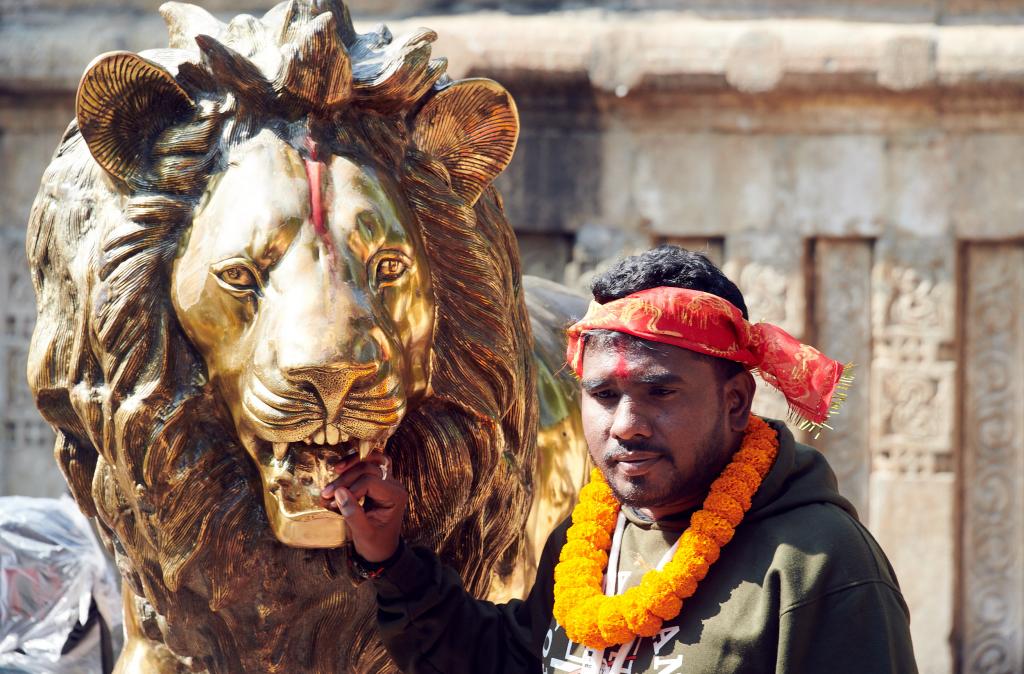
(659, 379)
(592, 383)
(653, 379)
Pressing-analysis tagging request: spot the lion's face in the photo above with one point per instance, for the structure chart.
(306, 289)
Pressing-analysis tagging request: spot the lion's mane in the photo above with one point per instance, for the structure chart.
(143, 439)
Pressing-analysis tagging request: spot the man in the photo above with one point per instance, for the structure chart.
(707, 541)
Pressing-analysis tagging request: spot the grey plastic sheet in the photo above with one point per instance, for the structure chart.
(51, 569)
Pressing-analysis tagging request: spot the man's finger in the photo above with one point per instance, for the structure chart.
(355, 516)
(349, 477)
(382, 494)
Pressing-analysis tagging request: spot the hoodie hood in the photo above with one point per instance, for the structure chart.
(800, 476)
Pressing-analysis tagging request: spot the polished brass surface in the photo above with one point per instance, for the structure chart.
(316, 338)
(271, 245)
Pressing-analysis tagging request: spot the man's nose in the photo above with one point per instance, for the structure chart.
(629, 422)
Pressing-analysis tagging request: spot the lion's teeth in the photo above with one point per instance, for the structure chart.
(309, 440)
(344, 437)
(332, 435)
(318, 437)
(280, 449)
(365, 447)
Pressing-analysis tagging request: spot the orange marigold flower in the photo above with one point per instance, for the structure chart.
(612, 622)
(700, 544)
(758, 459)
(574, 571)
(641, 622)
(684, 584)
(689, 563)
(724, 506)
(591, 533)
(600, 514)
(712, 526)
(659, 596)
(583, 627)
(737, 489)
(566, 599)
(745, 474)
(583, 550)
(598, 491)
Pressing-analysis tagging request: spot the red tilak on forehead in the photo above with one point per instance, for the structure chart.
(313, 176)
(621, 362)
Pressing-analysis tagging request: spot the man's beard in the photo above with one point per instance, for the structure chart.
(639, 492)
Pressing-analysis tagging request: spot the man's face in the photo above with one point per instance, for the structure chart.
(655, 420)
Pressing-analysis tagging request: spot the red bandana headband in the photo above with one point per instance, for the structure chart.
(813, 384)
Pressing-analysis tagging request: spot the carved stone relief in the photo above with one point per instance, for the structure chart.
(993, 463)
(913, 369)
(842, 317)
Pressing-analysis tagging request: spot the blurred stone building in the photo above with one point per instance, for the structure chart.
(857, 167)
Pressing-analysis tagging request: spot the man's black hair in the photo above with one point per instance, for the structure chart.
(666, 265)
(673, 266)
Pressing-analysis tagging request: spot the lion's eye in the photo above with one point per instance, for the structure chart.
(390, 269)
(239, 277)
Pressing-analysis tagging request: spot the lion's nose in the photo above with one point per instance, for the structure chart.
(332, 382)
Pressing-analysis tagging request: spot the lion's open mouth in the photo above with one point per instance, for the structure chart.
(295, 473)
(310, 462)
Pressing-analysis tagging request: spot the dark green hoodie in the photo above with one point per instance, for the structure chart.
(802, 587)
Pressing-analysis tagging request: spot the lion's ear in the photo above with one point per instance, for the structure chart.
(472, 127)
(124, 101)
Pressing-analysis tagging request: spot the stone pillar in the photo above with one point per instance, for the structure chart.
(913, 376)
(992, 585)
(842, 318)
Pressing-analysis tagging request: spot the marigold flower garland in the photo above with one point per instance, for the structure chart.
(595, 620)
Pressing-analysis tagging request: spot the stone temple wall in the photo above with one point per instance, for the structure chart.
(858, 168)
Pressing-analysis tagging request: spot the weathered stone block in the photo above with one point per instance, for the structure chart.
(690, 184)
(987, 202)
(838, 185)
(913, 520)
(920, 182)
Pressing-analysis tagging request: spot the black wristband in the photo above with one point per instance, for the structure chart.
(362, 570)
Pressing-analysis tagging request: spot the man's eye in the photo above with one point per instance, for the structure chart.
(390, 269)
(661, 392)
(239, 277)
(604, 394)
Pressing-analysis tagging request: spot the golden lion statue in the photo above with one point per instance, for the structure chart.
(272, 244)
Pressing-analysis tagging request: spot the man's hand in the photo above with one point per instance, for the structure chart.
(374, 526)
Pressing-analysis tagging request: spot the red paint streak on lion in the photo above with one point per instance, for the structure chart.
(314, 175)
